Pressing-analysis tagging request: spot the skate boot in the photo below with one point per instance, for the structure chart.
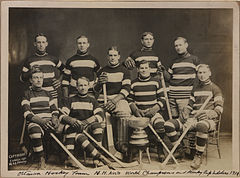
(197, 161)
(70, 163)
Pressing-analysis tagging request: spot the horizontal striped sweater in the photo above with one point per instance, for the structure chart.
(82, 108)
(47, 64)
(145, 93)
(118, 81)
(149, 55)
(201, 92)
(183, 76)
(38, 102)
(79, 65)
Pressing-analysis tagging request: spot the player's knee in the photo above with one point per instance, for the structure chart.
(169, 126)
(159, 127)
(80, 138)
(202, 127)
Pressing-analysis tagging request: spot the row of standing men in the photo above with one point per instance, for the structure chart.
(142, 97)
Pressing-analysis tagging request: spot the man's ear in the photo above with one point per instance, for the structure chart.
(186, 44)
(46, 43)
(30, 80)
(35, 44)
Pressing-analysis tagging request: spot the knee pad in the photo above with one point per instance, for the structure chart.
(202, 127)
(159, 126)
(170, 125)
(80, 138)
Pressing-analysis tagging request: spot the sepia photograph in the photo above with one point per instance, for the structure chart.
(119, 89)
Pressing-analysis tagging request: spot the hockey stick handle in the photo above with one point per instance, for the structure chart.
(165, 95)
(68, 152)
(105, 93)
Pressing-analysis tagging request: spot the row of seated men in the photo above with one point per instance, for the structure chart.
(141, 97)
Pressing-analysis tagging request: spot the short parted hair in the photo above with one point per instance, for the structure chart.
(138, 64)
(81, 36)
(180, 38)
(39, 34)
(115, 48)
(35, 69)
(83, 78)
(145, 34)
(203, 65)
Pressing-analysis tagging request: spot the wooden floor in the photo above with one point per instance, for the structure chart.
(214, 163)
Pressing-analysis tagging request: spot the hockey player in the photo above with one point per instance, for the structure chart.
(40, 113)
(145, 53)
(117, 80)
(203, 121)
(82, 64)
(182, 74)
(147, 99)
(47, 65)
(82, 112)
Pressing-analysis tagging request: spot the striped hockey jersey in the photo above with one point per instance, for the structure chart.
(145, 93)
(80, 65)
(39, 102)
(118, 81)
(149, 55)
(82, 108)
(183, 75)
(47, 65)
(201, 92)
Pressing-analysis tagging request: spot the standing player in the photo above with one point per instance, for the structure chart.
(203, 121)
(117, 79)
(82, 64)
(147, 99)
(40, 113)
(145, 53)
(47, 65)
(182, 76)
(84, 113)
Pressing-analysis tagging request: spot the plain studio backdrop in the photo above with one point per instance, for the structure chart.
(209, 32)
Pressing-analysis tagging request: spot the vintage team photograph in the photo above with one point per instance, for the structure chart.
(137, 89)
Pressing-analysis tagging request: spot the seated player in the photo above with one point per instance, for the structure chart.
(203, 121)
(147, 99)
(82, 112)
(117, 79)
(40, 112)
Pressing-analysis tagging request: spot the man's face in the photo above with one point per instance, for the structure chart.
(147, 41)
(144, 70)
(113, 57)
(41, 43)
(37, 79)
(82, 44)
(82, 86)
(203, 74)
(180, 46)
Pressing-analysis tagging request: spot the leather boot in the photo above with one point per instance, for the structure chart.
(191, 155)
(179, 152)
(70, 163)
(161, 156)
(197, 161)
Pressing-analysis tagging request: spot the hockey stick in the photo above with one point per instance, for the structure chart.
(122, 164)
(23, 148)
(82, 167)
(111, 147)
(164, 145)
(165, 95)
(186, 130)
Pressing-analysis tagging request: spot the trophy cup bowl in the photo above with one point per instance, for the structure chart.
(138, 122)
